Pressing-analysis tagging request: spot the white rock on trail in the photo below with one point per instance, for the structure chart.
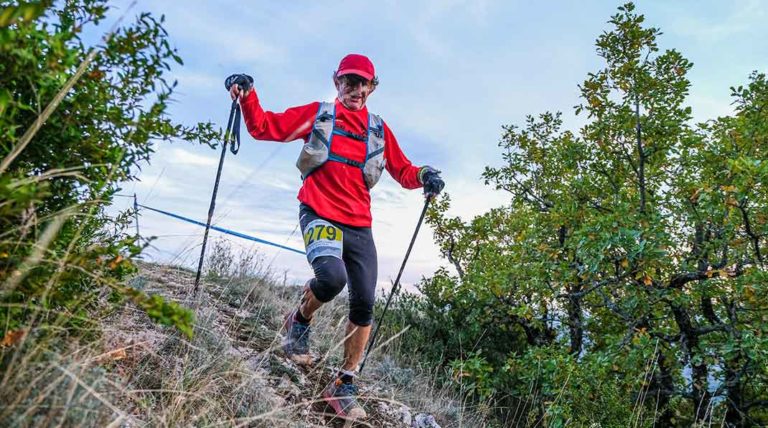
(423, 420)
(404, 414)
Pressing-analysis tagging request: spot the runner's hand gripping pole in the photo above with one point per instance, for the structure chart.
(231, 135)
(396, 286)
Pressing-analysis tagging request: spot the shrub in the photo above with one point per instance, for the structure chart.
(76, 120)
(624, 283)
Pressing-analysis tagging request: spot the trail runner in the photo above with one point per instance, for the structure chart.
(346, 149)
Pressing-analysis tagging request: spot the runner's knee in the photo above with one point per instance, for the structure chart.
(330, 278)
(361, 310)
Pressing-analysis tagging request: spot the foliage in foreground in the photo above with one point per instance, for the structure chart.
(626, 281)
(75, 120)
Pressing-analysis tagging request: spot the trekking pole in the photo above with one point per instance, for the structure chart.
(232, 134)
(397, 283)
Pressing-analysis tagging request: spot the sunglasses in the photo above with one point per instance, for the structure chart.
(353, 80)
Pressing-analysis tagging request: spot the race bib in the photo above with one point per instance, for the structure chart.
(321, 238)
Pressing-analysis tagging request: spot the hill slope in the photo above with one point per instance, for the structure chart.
(234, 372)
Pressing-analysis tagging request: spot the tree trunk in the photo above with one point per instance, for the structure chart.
(735, 412)
(665, 384)
(575, 322)
(699, 370)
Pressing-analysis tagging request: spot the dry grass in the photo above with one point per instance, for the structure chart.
(132, 372)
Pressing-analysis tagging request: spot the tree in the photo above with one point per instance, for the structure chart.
(76, 120)
(631, 258)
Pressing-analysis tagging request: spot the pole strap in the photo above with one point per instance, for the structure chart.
(232, 135)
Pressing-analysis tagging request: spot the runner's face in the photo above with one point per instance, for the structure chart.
(353, 90)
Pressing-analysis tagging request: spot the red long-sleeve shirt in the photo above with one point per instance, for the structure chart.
(335, 191)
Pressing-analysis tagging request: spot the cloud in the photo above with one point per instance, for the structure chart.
(279, 183)
(196, 82)
(426, 15)
(707, 107)
(183, 157)
(147, 183)
(215, 32)
(743, 18)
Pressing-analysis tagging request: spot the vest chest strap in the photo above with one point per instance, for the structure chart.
(342, 159)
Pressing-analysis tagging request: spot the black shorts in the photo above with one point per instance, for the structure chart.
(355, 262)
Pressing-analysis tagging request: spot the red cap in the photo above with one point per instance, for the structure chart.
(356, 64)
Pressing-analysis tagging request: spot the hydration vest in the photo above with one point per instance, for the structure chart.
(319, 147)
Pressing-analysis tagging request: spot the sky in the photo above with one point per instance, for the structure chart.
(452, 73)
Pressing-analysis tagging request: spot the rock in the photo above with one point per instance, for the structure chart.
(243, 313)
(384, 408)
(283, 366)
(255, 363)
(424, 420)
(287, 388)
(404, 415)
(401, 414)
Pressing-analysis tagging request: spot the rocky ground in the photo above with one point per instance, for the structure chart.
(234, 371)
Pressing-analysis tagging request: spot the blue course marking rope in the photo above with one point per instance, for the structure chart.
(222, 230)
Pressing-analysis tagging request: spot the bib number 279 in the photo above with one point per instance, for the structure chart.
(321, 238)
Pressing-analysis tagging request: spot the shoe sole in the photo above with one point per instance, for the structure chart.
(335, 403)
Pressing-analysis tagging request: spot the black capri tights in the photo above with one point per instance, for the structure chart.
(357, 266)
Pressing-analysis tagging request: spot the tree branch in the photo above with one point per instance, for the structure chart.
(641, 155)
(748, 228)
